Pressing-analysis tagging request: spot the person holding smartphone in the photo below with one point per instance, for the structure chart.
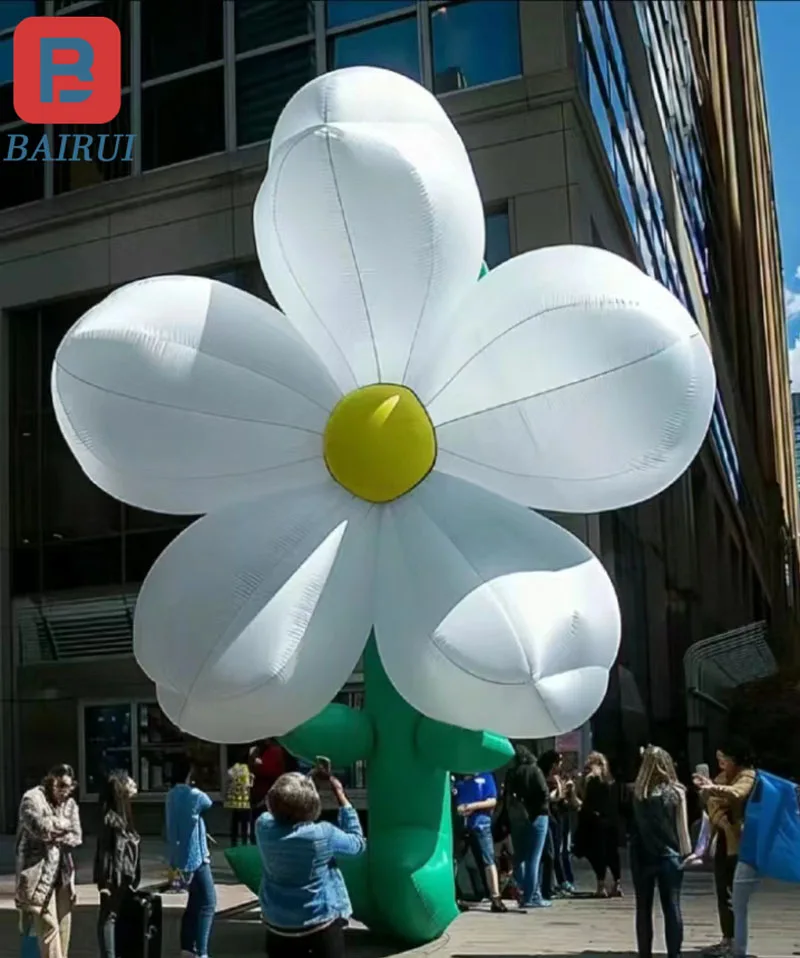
(303, 897)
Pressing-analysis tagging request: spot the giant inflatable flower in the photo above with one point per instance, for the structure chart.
(368, 457)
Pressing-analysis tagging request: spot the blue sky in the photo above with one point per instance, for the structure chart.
(779, 27)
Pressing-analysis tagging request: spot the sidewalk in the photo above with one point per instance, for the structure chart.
(579, 927)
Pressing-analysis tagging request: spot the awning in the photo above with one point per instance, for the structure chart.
(722, 662)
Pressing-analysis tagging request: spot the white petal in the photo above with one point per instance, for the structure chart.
(254, 618)
(179, 394)
(572, 382)
(490, 616)
(369, 233)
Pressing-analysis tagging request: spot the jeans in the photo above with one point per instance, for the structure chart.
(241, 826)
(666, 875)
(110, 903)
(529, 841)
(481, 844)
(199, 915)
(327, 943)
(724, 867)
(563, 851)
(745, 881)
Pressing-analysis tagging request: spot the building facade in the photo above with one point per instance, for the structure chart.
(796, 429)
(587, 123)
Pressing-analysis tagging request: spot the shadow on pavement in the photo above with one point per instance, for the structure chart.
(571, 954)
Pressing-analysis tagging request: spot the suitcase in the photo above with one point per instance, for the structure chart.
(139, 930)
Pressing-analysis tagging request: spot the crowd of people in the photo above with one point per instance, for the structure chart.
(541, 817)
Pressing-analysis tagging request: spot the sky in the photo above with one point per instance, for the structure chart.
(779, 28)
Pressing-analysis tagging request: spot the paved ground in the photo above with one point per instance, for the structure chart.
(581, 927)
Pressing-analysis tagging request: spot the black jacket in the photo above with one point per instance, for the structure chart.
(526, 782)
(117, 859)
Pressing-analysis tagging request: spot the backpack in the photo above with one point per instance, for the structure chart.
(770, 840)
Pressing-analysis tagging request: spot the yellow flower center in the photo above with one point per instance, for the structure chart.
(379, 442)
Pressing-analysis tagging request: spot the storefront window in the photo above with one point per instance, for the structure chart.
(108, 743)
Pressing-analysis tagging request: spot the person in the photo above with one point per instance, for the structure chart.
(557, 877)
(724, 800)
(267, 762)
(49, 829)
(476, 800)
(527, 800)
(303, 897)
(659, 844)
(188, 853)
(117, 860)
(598, 825)
(240, 781)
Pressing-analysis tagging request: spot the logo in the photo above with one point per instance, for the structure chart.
(67, 70)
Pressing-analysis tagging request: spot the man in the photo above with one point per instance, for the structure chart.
(476, 798)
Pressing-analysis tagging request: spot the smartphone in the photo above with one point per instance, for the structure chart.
(322, 764)
(702, 769)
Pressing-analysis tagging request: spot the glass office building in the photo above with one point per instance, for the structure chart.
(574, 120)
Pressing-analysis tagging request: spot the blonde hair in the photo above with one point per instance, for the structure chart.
(657, 768)
(294, 798)
(597, 764)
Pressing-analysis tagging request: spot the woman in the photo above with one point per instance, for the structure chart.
(659, 844)
(724, 801)
(237, 801)
(187, 842)
(526, 804)
(304, 901)
(556, 862)
(49, 828)
(117, 863)
(598, 825)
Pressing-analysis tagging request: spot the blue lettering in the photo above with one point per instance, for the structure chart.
(17, 141)
(82, 141)
(63, 143)
(42, 150)
(102, 139)
(81, 70)
(128, 157)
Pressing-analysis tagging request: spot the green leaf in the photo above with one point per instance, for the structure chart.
(460, 750)
(342, 734)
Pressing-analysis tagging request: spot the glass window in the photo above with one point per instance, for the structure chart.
(262, 23)
(179, 34)
(462, 54)
(160, 743)
(24, 348)
(600, 112)
(498, 238)
(338, 13)
(25, 571)
(183, 119)
(107, 163)
(140, 520)
(595, 38)
(7, 114)
(263, 86)
(82, 564)
(107, 743)
(73, 507)
(143, 548)
(20, 181)
(393, 45)
(12, 11)
(625, 187)
(25, 480)
(120, 12)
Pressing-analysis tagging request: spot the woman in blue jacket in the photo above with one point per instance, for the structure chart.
(303, 896)
(187, 842)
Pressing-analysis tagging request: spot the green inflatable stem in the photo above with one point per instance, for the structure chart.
(403, 885)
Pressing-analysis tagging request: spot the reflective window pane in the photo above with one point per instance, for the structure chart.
(498, 239)
(20, 181)
(107, 160)
(142, 549)
(261, 23)
(341, 12)
(263, 86)
(120, 12)
(7, 114)
(12, 11)
(463, 56)
(73, 507)
(179, 34)
(82, 565)
(183, 119)
(394, 46)
(25, 474)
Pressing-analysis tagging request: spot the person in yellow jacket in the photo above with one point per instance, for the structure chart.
(237, 801)
(725, 799)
